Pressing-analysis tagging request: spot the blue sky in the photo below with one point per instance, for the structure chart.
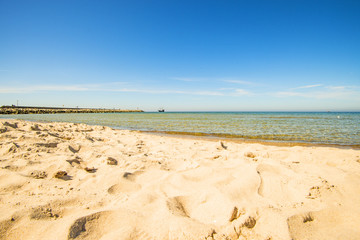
(181, 55)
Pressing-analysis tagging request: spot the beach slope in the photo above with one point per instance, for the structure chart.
(75, 181)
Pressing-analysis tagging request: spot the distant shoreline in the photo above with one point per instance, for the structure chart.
(53, 110)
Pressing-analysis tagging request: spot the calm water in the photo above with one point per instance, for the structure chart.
(325, 128)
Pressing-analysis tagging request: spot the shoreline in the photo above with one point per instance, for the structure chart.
(221, 137)
(217, 137)
(64, 180)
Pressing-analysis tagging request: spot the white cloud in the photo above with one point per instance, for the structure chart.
(150, 91)
(65, 88)
(239, 82)
(38, 88)
(224, 89)
(209, 93)
(338, 92)
(336, 87)
(241, 92)
(288, 94)
(188, 79)
(106, 87)
(308, 86)
(202, 79)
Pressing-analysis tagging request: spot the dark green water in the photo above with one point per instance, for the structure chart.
(308, 127)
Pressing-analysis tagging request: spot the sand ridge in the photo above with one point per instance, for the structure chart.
(75, 181)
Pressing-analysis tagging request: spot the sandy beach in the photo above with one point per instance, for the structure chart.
(75, 181)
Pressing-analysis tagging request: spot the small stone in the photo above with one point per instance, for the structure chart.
(250, 222)
(60, 174)
(112, 161)
(90, 170)
(250, 155)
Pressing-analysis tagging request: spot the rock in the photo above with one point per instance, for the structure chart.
(90, 170)
(249, 155)
(250, 222)
(112, 161)
(60, 174)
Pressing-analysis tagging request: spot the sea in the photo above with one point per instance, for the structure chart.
(328, 128)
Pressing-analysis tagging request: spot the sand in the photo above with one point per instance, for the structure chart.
(74, 181)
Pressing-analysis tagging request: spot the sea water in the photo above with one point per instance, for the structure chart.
(307, 127)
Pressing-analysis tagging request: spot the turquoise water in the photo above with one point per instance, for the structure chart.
(322, 128)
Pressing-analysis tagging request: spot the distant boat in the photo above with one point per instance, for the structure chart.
(161, 110)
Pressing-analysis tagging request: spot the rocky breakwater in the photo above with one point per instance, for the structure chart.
(49, 110)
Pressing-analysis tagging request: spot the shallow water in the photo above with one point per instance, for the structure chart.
(307, 127)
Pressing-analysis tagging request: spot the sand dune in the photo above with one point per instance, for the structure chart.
(74, 181)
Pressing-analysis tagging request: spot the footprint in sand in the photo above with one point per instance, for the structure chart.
(328, 224)
(6, 227)
(120, 224)
(278, 184)
(124, 186)
(132, 176)
(176, 206)
(85, 226)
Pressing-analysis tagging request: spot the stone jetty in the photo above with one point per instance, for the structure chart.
(53, 110)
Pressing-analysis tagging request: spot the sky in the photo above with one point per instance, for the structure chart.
(269, 55)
